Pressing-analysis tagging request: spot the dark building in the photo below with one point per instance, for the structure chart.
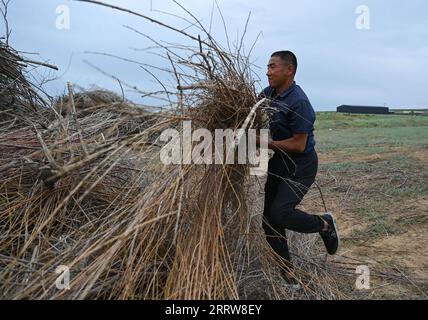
(363, 109)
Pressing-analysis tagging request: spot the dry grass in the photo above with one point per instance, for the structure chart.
(86, 190)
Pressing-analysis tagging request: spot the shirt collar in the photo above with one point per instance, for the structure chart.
(290, 89)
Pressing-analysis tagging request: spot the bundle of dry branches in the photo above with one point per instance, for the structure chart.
(13, 82)
(88, 192)
(18, 95)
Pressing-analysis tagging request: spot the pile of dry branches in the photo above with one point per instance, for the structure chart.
(18, 95)
(87, 191)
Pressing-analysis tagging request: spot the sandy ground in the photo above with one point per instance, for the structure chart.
(401, 255)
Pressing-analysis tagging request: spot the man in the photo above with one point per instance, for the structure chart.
(292, 169)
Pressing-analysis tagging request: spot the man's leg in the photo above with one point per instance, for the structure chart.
(276, 237)
(290, 192)
(283, 213)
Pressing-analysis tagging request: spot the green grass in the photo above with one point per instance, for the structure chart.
(380, 193)
(379, 220)
(396, 161)
(343, 167)
(367, 134)
(410, 190)
(334, 120)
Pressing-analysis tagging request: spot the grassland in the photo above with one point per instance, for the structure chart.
(374, 175)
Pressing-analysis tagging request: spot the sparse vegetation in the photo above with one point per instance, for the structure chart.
(373, 169)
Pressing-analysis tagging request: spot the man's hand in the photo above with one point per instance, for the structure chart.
(296, 144)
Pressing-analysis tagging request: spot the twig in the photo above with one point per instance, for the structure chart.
(246, 121)
(76, 121)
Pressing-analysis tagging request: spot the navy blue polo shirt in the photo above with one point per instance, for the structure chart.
(291, 113)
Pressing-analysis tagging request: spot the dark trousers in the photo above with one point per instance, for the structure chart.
(289, 179)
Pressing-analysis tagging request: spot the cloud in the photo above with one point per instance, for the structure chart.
(338, 64)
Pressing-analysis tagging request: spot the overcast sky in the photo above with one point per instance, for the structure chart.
(342, 59)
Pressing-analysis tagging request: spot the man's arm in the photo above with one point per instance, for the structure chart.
(295, 144)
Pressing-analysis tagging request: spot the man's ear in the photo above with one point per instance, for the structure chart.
(290, 69)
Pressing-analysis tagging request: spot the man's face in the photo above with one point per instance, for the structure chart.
(279, 73)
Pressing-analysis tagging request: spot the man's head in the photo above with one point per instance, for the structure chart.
(282, 68)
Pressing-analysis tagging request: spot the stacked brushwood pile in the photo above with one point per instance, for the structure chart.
(86, 192)
(15, 88)
(18, 95)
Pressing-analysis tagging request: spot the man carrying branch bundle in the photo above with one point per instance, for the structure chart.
(292, 169)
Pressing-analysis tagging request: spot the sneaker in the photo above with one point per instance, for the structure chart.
(330, 237)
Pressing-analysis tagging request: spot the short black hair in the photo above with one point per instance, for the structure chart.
(287, 57)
